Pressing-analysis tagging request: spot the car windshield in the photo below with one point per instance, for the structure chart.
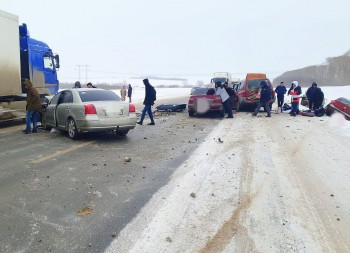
(254, 84)
(219, 79)
(345, 101)
(200, 91)
(98, 95)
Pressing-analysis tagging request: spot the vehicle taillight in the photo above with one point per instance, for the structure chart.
(132, 108)
(90, 109)
(190, 101)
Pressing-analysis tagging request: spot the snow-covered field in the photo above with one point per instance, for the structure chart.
(138, 93)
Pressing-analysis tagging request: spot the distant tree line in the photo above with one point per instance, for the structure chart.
(335, 72)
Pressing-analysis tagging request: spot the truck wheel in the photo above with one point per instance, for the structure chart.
(72, 129)
(191, 113)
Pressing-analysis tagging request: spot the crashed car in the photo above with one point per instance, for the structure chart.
(204, 101)
(341, 105)
(89, 110)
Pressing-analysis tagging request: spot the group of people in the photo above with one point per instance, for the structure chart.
(77, 85)
(228, 96)
(314, 95)
(124, 92)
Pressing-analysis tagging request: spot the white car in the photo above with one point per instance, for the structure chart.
(89, 110)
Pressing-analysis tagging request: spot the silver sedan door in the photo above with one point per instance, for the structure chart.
(50, 111)
(64, 108)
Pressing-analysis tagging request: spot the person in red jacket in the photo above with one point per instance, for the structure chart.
(295, 91)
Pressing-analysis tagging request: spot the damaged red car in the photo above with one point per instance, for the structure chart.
(341, 105)
(204, 101)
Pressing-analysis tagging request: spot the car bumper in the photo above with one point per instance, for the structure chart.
(106, 124)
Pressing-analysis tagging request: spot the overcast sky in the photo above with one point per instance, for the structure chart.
(179, 38)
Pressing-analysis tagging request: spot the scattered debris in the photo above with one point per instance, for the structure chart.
(338, 219)
(94, 164)
(114, 234)
(127, 159)
(193, 195)
(168, 239)
(220, 141)
(332, 195)
(85, 211)
(54, 130)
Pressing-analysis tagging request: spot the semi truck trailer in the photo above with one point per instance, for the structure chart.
(22, 57)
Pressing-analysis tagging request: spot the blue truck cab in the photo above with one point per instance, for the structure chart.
(38, 63)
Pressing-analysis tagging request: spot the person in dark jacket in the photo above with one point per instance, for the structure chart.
(231, 92)
(150, 97)
(265, 97)
(318, 98)
(310, 94)
(280, 91)
(33, 107)
(129, 92)
(89, 85)
(77, 85)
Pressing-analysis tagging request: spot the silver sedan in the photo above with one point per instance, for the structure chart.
(89, 110)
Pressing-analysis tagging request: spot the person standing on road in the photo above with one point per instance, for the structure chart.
(33, 107)
(265, 97)
(150, 97)
(310, 94)
(123, 93)
(280, 90)
(129, 92)
(220, 91)
(295, 92)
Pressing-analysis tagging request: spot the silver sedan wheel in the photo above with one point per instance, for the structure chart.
(72, 129)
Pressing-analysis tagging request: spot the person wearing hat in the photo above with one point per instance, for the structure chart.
(225, 98)
(33, 107)
(310, 94)
(295, 92)
(150, 97)
(77, 85)
(265, 97)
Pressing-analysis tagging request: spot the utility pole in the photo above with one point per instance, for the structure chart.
(82, 66)
(79, 69)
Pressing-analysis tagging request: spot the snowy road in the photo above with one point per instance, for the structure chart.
(277, 184)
